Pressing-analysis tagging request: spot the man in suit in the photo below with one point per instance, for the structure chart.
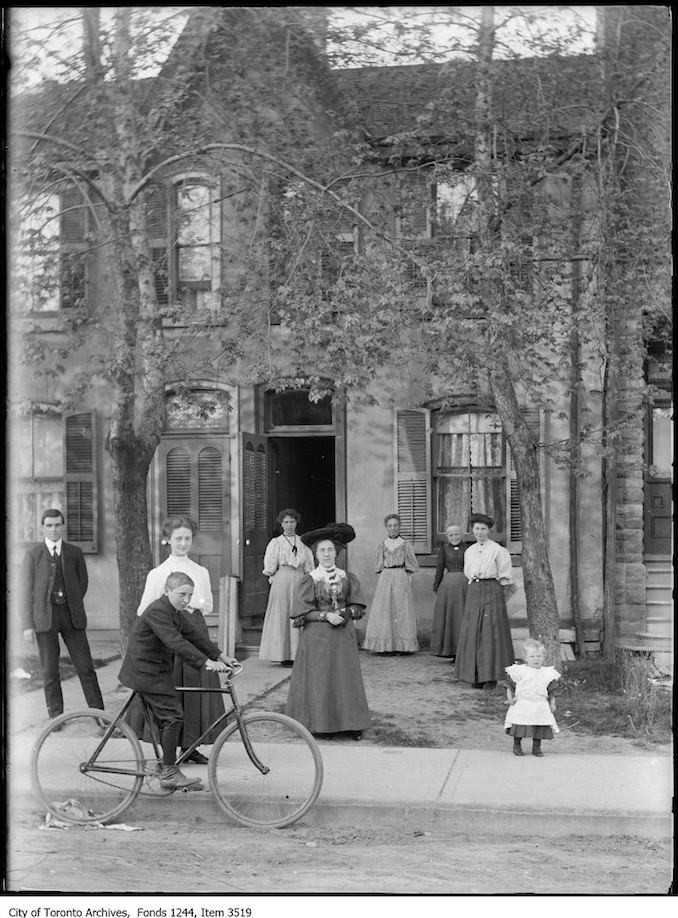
(55, 582)
(159, 633)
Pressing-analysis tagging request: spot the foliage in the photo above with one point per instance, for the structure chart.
(620, 697)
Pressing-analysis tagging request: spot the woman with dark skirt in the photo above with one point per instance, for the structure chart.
(200, 708)
(485, 648)
(326, 687)
(449, 586)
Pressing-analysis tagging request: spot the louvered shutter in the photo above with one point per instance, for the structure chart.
(413, 476)
(72, 240)
(178, 476)
(514, 535)
(210, 490)
(80, 479)
(157, 228)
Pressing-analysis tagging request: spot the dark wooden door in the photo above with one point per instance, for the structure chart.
(658, 515)
(257, 531)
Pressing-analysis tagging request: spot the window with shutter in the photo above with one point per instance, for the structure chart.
(210, 498)
(514, 543)
(80, 480)
(413, 476)
(178, 474)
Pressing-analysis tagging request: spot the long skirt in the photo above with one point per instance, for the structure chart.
(200, 708)
(392, 622)
(326, 687)
(279, 640)
(448, 614)
(485, 647)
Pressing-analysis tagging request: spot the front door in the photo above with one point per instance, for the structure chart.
(194, 479)
(658, 490)
(257, 531)
(279, 473)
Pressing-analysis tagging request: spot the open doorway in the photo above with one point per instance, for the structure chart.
(303, 476)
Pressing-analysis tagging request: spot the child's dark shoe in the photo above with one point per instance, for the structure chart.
(536, 750)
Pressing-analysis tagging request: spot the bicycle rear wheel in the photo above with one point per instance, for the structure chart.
(288, 789)
(69, 791)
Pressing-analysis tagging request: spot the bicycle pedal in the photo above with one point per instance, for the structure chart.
(192, 787)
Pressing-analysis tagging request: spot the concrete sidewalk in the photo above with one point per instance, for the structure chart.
(455, 790)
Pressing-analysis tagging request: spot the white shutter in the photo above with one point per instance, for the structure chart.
(413, 476)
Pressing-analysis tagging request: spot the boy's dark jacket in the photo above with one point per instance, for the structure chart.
(159, 633)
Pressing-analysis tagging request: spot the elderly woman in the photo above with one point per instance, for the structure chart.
(449, 585)
(485, 647)
(286, 560)
(392, 624)
(200, 709)
(326, 688)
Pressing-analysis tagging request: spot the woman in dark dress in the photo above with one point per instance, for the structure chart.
(200, 708)
(449, 586)
(326, 687)
(485, 648)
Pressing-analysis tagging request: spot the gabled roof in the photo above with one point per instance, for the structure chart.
(388, 100)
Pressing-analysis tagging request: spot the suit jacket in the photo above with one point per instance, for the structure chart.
(159, 633)
(38, 580)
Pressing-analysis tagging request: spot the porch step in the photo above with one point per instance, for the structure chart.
(646, 640)
(659, 592)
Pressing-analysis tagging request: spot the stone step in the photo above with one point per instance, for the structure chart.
(659, 626)
(659, 591)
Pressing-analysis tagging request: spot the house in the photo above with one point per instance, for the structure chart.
(233, 452)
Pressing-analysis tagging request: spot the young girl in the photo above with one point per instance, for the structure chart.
(531, 700)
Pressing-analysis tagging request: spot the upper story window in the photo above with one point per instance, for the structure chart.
(51, 260)
(184, 227)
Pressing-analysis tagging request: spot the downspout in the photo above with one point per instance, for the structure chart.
(610, 410)
(575, 359)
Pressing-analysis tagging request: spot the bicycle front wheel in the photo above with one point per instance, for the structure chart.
(68, 789)
(293, 778)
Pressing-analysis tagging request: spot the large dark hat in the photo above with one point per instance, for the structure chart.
(482, 518)
(340, 533)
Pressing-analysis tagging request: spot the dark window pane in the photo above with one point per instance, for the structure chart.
(294, 409)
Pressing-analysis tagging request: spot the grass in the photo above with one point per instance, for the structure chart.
(617, 698)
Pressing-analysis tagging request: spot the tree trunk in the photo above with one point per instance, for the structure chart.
(130, 513)
(542, 608)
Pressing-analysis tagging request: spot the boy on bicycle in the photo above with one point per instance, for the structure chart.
(159, 633)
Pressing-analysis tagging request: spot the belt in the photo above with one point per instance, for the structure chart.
(480, 579)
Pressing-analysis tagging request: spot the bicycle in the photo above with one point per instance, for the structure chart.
(265, 769)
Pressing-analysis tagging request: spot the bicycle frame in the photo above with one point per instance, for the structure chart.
(234, 713)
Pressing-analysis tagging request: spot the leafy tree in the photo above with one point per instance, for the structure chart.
(509, 284)
(520, 285)
(108, 141)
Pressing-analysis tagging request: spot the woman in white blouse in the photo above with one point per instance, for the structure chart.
(485, 647)
(286, 560)
(200, 710)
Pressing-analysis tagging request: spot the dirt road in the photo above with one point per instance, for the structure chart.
(199, 859)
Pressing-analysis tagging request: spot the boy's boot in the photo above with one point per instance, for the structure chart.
(536, 748)
(517, 748)
(171, 778)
